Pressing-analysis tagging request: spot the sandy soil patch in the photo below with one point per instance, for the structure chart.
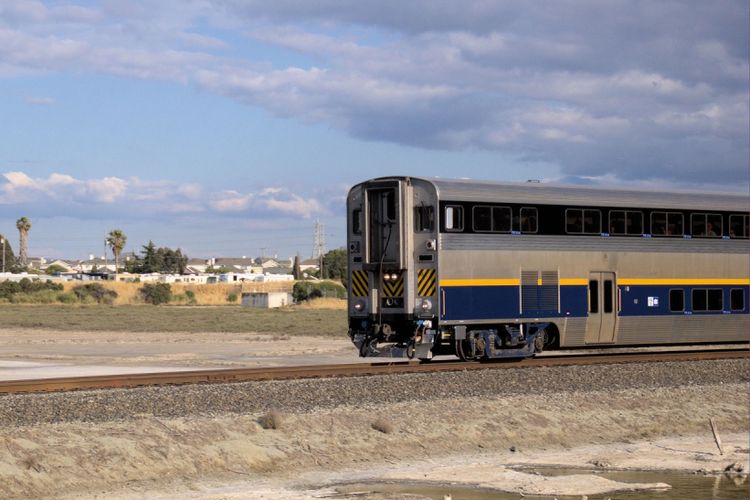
(232, 456)
(178, 349)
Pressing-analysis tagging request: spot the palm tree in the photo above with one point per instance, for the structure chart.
(116, 240)
(23, 224)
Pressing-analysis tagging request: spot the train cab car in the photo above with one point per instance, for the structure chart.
(486, 270)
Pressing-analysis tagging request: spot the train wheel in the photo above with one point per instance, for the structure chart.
(460, 349)
(541, 338)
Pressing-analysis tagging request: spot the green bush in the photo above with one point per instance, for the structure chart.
(156, 293)
(232, 297)
(306, 290)
(190, 297)
(94, 292)
(8, 289)
(38, 297)
(67, 297)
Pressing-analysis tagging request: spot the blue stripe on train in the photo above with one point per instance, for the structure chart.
(653, 300)
(489, 302)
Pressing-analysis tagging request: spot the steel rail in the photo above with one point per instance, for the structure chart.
(347, 370)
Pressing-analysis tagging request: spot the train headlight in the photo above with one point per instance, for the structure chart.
(426, 305)
(359, 305)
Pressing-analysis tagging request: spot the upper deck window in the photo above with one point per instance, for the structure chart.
(583, 221)
(491, 219)
(666, 224)
(454, 218)
(706, 225)
(625, 222)
(424, 218)
(738, 226)
(529, 220)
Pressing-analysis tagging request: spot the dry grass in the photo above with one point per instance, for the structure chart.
(209, 295)
(271, 420)
(290, 321)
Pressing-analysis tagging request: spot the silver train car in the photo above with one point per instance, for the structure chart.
(488, 270)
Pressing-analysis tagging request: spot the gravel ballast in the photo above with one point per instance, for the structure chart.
(302, 396)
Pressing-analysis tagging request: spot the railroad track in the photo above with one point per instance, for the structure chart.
(348, 370)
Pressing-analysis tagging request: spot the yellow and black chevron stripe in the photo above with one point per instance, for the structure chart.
(426, 282)
(394, 288)
(359, 283)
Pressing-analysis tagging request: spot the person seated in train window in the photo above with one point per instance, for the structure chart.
(710, 230)
(658, 229)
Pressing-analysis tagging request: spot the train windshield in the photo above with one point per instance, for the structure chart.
(383, 225)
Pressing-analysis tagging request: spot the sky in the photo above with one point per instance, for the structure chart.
(228, 127)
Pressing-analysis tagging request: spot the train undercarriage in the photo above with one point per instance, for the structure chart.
(423, 340)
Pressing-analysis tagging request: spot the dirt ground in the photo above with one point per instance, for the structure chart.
(29, 353)
(465, 441)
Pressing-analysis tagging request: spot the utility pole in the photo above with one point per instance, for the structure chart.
(3, 241)
(105, 253)
(319, 244)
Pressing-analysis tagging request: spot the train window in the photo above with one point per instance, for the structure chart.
(666, 224)
(699, 299)
(529, 220)
(677, 300)
(711, 299)
(424, 218)
(454, 218)
(625, 222)
(593, 296)
(491, 219)
(715, 299)
(738, 226)
(737, 299)
(390, 205)
(583, 221)
(608, 296)
(482, 218)
(357, 221)
(706, 225)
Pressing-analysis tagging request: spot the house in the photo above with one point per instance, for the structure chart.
(312, 263)
(68, 266)
(97, 264)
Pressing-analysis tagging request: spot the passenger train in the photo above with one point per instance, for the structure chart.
(487, 270)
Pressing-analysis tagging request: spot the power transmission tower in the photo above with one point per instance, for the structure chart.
(319, 239)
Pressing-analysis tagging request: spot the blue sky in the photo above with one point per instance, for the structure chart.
(226, 127)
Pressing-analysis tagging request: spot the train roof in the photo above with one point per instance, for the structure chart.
(561, 194)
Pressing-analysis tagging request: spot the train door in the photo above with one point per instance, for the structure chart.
(602, 319)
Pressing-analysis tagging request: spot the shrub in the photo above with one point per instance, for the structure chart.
(271, 420)
(156, 293)
(94, 292)
(190, 297)
(306, 290)
(9, 289)
(67, 297)
(232, 297)
(38, 297)
(382, 425)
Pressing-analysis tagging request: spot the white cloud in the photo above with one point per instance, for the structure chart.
(62, 193)
(40, 101)
(635, 76)
(231, 201)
